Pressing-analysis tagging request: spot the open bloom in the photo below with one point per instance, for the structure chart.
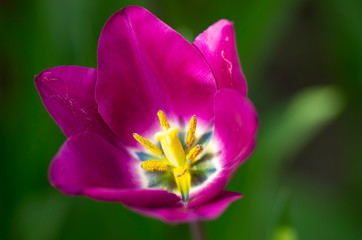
(160, 126)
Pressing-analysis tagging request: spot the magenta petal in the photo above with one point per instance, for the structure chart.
(207, 211)
(217, 44)
(236, 123)
(87, 160)
(151, 198)
(68, 95)
(210, 190)
(235, 132)
(145, 66)
(88, 165)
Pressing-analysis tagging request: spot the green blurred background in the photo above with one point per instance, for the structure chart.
(303, 62)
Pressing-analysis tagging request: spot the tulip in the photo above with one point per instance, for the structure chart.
(161, 125)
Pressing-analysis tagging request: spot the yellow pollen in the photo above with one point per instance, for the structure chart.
(191, 133)
(194, 152)
(147, 144)
(163, 120)
(154, 166)
(175, 160)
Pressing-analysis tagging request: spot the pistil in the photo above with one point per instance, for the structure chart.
(175, 159)
(171, 146)
(183, 181)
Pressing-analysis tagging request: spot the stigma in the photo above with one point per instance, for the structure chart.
(173, 156)
(171, 146)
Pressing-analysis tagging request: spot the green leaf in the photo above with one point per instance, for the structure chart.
(287, 131)
(41, 216)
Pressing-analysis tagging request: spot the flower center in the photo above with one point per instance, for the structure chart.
(174, 157)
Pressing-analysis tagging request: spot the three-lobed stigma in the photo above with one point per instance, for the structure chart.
(175, 158)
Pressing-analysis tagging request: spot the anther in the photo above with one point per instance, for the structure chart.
(147, 144)
(194, 152)
(163, 120)
(154, 166)
(191, 133)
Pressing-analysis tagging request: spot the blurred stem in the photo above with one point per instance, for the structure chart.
(197, 231)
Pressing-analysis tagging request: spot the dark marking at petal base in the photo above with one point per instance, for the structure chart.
(204, 139)
(164, 180)
(145, 156)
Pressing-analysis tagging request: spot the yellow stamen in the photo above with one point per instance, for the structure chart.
(183, 182)
(147, 144)
(194, 152)
(191, 133)
(154, 166)
(163, 120)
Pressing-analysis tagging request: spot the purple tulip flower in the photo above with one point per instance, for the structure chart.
(160, 126)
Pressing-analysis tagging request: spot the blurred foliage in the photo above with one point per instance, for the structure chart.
(302, 59)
